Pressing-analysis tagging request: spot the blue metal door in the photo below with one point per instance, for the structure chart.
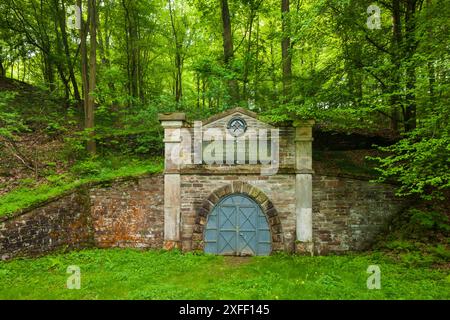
(237, 226)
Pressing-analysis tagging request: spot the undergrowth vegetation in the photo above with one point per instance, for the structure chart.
(418, 237)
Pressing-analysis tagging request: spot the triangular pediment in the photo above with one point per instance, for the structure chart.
(220, 120)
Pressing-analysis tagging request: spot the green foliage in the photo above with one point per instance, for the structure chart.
(110, 93)
(421, 160)
(149, 143)
(11, 123)
(430, 220)
(414, 253)
(418, 237)
(400, 245)
(441, 251)
(75, 145)
(421, 225)
(416, 258)
(55, 126)
(132, 274)
(86, 167)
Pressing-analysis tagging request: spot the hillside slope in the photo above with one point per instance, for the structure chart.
(47, 150)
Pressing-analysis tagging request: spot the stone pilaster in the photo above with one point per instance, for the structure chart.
(303, 185)
(172, 124)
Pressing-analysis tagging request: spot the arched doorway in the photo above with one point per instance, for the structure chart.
(237, 226)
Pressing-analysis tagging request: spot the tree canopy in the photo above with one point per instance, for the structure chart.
(382, 67)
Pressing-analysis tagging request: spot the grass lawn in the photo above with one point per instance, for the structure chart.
(133, 274)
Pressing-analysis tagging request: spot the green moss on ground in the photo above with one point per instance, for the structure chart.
(89, 171)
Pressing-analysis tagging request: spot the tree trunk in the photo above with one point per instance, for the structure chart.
(197, 78)
(132, 46)
(91, 146)
(60, 67)
(84, 62)
(273, 71)
(49, 75)
(203, 92)
(247, 56)
(2, 70)
(65, 82)
(395, 98)
(410, 47)
(285, 49)
(2, 67)
(431, 69)
(101, 46)
(128, 44)
(24, 73)
(134, 53)
(227, 38)
(72, 78)
(228, 49)
(256, 67)
(141, 58)
(178, 76)
(178, 57)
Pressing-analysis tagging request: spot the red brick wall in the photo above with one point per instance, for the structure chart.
(129, 214)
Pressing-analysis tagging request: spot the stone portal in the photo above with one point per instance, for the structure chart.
(261, 176)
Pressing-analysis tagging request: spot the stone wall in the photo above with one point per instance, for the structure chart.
(63, 222)
(347, 213)
(125, 213)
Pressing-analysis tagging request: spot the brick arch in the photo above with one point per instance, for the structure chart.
(251, 191)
